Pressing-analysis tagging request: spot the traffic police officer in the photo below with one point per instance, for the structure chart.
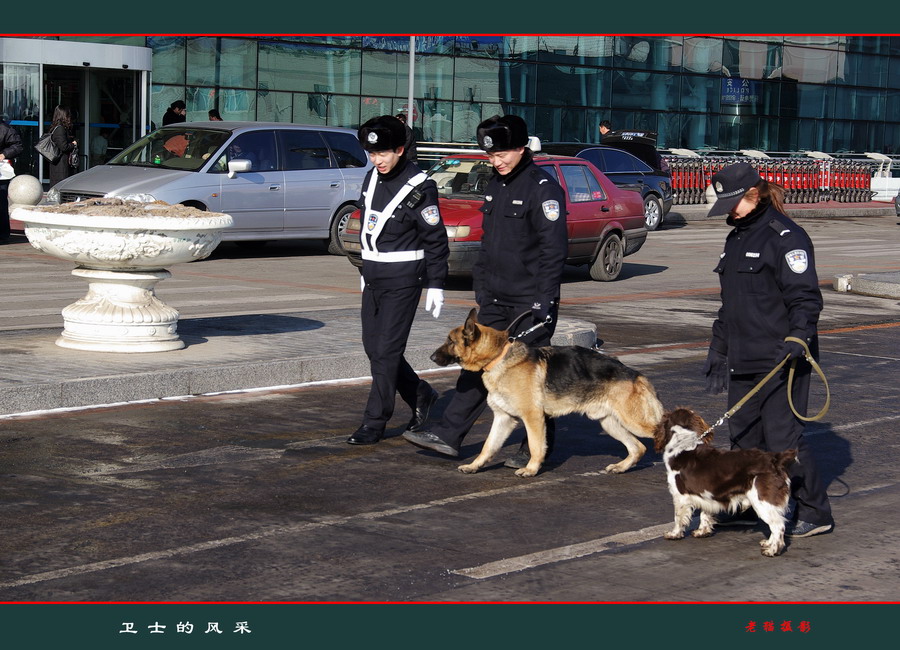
(404, 247)
(518, 271)
(769, 291)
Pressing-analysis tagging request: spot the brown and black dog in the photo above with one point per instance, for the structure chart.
(713, 481)
(525, 383)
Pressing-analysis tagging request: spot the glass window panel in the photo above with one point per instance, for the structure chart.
(385, 73)
(20, 87)
(517, 82)
(558, 124)
(467, 116)
(702, 54)
(308, 68)
(138, 41)
(237, 63)
(809, 65)
(256, 146)
(161, 97)
(375, 106)
(168, 59)
(596, 190)
(893, 80)
(891, 139)
(594, 50)
(668, 128)
(701, 132)
(809, 100)
(437, 121)
(863, 70)
(819, 41)
(347, 150)
(477, 80)
(644, 90)
(701, 94)
(199, 100)
(520, 47)
(572, 85)
(859, 103)
(869, 44)
(344, 111)
(753, 97)
(577, 188)
(482, 46)
(617, 161)
(750, 59)
(434, 77)
(237, 104)
(272, 107)
(340, 41)
(303, 150)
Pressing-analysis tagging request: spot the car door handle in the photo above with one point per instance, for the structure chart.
(335, 184)
(274, 188)
(604, 209)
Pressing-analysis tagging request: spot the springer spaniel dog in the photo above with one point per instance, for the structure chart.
(701, 476)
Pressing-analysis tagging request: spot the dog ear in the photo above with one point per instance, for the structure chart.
(659, 434)
(470, 329)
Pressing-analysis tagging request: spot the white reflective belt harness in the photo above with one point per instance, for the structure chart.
(375, 221)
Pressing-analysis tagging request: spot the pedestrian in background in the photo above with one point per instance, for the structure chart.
(404, 247)
(62, 133)
(769, 291)
(605, 127)
(177, 112)
(214, 115)
(518, 271)
(10, 147)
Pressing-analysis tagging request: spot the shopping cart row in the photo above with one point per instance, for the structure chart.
(804, 180)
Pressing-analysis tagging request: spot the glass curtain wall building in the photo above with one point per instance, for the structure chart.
(774, 93)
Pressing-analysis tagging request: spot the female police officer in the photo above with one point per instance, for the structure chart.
(404, 247)
(770, 291)
(519, 271)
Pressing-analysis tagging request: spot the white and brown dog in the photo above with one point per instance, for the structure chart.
(713, 481)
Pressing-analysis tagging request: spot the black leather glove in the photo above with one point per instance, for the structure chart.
(789, 349)
(716, 371)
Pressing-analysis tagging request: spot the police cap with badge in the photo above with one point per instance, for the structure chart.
(730, 185)
(502, 133)
(382, 133)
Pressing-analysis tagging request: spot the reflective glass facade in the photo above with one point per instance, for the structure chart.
(775, 93)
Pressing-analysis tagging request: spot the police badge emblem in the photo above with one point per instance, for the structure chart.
(719, 188)
(372, 137)
(488, 142)
(551, 210)
(797, 260)
(431, 215)
(371, 221)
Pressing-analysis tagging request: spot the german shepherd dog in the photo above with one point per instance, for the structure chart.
(526, 383)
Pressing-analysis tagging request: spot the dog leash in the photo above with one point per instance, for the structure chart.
(809, 358)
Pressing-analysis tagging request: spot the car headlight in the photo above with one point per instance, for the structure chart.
(140, 198)
(454, 232)
(52, 196)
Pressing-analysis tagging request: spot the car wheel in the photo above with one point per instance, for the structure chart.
(608, 264)
(338, 226)
(653, 212)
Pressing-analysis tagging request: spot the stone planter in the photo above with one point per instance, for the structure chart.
(122, 248)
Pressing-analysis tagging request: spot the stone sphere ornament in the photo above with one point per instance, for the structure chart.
(25, 190)
(122, 248)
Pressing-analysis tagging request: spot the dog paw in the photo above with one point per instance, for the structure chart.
(468, 469)
(525, 472)
(615, 468)
(700, 532)
(678, 535)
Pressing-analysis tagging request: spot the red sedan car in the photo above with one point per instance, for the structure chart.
(605, 223)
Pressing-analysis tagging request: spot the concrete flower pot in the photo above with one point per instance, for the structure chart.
(122, 248)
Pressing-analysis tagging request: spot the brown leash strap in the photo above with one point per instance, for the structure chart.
(809, 358)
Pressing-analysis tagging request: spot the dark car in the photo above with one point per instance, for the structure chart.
(897, 204)
(629, 163)
(605, 222)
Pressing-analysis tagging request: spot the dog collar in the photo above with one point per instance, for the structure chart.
(498, 358)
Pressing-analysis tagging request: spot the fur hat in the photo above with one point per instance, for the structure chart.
(502, 133)
(730, 184)
(382, 133)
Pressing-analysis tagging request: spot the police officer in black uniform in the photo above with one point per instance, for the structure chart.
(10, 147)
(770, 291)
(518, 271)
(404, 247)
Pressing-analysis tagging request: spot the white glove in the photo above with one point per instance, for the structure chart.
(362, 283)
(434, 298)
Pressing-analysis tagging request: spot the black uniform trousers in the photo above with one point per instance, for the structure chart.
(767, 422)
(470, 398)
(4, 210)
(387, 317)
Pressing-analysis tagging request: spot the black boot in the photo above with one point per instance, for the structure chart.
(521, 457)
(426, 396)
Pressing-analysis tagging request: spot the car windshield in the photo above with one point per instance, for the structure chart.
(173, 147)
(461, 178)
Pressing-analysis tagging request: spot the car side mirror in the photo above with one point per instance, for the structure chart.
(238, 165)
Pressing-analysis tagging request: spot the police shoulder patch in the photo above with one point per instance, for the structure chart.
(431, 215)
(797, 260)
(551, 210)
